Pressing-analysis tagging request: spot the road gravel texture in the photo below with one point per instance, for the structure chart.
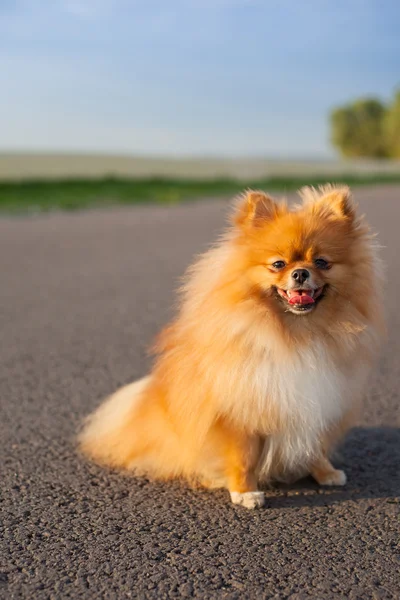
(81, 297)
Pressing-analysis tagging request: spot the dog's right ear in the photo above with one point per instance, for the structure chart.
(255, 208)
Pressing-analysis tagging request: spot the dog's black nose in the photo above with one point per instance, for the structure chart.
(300, 275)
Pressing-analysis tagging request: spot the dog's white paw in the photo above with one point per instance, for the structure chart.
(248, 499)
(336, 477)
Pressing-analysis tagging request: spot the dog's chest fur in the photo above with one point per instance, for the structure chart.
(310, 393)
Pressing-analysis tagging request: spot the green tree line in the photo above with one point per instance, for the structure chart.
(367, 127)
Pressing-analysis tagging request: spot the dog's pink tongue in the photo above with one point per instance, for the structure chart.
(301, 299)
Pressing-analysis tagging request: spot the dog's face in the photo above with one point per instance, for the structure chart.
(297, 265)
(306, 260)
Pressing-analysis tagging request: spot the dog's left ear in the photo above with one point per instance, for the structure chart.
(256, 207)
(340, 202)
(330, 200)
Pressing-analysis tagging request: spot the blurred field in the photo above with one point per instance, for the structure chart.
(40, 183)
(23, 166)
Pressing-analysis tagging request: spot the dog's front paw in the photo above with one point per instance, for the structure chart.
(335, 477)
(248, 499)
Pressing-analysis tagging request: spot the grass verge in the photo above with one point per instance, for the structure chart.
(42, 196)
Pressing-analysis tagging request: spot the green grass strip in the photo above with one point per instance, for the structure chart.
(46, 195)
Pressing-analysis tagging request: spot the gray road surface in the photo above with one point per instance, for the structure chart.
(81, 297)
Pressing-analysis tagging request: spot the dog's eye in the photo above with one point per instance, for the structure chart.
(321, 263)
(279, 264)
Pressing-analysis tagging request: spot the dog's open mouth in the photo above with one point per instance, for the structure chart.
(301, 300)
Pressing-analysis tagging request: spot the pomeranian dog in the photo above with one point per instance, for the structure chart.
(263, 370)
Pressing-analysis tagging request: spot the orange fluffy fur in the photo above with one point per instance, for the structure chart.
(244, 389)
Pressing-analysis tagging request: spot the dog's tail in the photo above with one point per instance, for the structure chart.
(107, 435)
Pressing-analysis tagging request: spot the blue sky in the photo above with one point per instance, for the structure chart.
(215, 77)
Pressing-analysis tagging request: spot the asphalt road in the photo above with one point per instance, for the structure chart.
(81, 297)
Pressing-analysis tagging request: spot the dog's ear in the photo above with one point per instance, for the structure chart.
(255, 208)
(331, 200)
(340, 201)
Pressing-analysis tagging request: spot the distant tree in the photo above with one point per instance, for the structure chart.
(392, 127)
(358, 129)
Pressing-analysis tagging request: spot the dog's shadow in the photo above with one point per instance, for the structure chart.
(370, 456)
